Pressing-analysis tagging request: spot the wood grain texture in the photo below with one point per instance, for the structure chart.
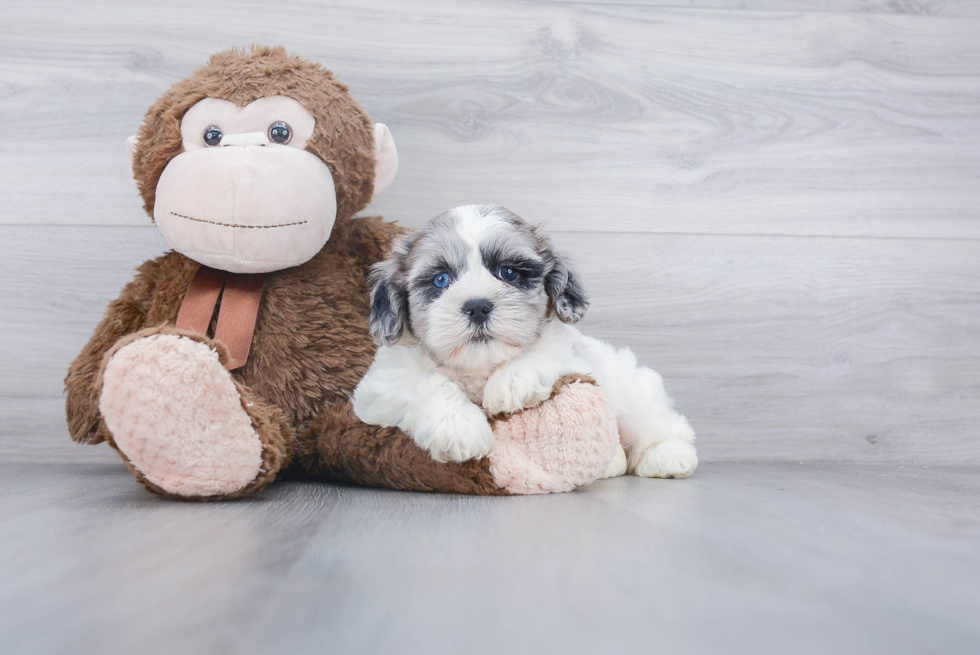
(776, 207)
(948, 8)
(632, 118)
(777, 348)
(741, 558)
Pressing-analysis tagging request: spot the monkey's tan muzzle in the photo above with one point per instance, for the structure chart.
(246, 206)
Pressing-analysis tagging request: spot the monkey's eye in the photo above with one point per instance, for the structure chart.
(507, 273)
(280, 132)
(441, 281)
(212, 136)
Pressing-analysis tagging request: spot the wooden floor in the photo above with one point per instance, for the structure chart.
(776, 203)
(741, 558)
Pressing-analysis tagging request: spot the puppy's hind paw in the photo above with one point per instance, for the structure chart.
(456, 434)
(668, 459)
(617, 466)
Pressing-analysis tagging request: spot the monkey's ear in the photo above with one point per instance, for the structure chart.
(389, 301)
(131, 148)
(568, 298)
(385, 156)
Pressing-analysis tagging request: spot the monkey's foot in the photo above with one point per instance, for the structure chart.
(668, 459)
(565, 442)
(181, 422)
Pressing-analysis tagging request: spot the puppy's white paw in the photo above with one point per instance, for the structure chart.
(455, 434)
(617, 466)
(668, 459)
(513, 388)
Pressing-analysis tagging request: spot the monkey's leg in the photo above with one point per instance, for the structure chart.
(338, 447)
(183, 424)
(565, 442)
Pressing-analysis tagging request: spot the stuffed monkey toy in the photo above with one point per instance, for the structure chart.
(230, 360)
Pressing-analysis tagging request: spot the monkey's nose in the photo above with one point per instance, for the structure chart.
(478, 310)
(245, 139)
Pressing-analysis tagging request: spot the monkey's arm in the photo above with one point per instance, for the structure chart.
(126, 314)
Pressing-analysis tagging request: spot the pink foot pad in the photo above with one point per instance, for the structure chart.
(563, 443)
(175, 412)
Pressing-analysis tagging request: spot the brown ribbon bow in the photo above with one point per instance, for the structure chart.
(240, 295)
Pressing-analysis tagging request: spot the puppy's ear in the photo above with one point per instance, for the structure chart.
(389, 298)
(568, 298)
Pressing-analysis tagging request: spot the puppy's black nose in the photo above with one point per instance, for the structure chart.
(478, 310)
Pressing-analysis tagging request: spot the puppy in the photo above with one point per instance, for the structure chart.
(473, 314)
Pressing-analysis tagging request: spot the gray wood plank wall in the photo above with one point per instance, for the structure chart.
(776, 204)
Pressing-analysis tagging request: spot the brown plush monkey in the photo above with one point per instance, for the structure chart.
(231, 359)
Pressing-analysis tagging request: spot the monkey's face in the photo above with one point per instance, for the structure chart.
(245, 196)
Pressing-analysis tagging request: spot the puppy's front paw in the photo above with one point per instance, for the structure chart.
(668, 459)
(455, 434)
(513, 388)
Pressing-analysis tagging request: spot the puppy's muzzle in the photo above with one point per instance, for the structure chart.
(478, 310)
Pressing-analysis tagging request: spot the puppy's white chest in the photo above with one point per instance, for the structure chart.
(472, 384)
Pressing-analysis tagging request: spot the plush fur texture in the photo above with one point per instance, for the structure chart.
(311, 343)
(175, 412)
(447, 366)
(277, 437)
(547, 451)
(337, 446)
(311, 339)
(344, 137)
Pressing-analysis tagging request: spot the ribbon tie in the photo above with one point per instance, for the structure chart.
(239, 294)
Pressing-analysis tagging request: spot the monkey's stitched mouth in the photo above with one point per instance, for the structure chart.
(201, 220)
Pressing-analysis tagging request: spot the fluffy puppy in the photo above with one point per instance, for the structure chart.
(473, 315)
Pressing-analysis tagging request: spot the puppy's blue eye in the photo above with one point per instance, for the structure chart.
(507, 273)
(441, 281)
